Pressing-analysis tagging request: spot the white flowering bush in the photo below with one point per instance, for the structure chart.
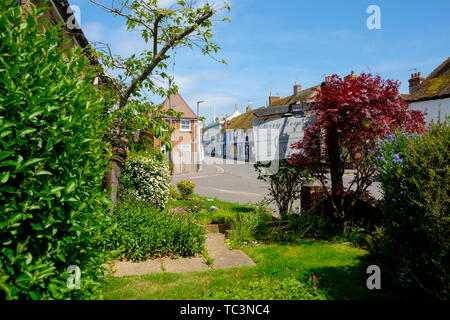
(147, 177)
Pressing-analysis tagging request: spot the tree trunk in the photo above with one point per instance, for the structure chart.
(112, 182)
(112, 177)
(336, 172)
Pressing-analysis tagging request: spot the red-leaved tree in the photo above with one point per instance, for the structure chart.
(352, 113)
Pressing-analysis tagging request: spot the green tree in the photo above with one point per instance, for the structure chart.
(284, 185)
(53, 209)
(184, 24)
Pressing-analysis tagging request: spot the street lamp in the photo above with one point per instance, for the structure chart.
(198, 134)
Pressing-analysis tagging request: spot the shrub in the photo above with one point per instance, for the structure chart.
(173, 193)
(186, 188)
(147, 177)
(312, 227)
(53, 210)
(284, 185)
(412, 244)
(144, 232)
(246, 228)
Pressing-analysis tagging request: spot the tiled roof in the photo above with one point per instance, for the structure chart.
(244, 121)
(303, 96)
(280, 110)
(436, 86)
(179, 105)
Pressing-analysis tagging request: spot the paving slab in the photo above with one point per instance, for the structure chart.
(127, 268)
(224, 257)
(184, 264)
(217, 249)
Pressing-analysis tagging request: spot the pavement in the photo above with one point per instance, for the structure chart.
(217, 249)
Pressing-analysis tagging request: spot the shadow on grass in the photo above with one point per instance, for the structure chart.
(349, 283)
(241, 209)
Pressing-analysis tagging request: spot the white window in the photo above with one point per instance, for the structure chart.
(185, 125)
(185, 148)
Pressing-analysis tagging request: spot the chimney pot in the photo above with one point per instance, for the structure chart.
(297, 88)
(415, 82)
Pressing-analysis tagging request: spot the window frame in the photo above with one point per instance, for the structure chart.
(181, 125)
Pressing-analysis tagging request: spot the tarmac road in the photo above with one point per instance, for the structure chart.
(232, 181)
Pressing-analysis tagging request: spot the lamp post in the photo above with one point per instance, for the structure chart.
(198, 134)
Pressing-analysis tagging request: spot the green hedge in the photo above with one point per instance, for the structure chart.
(412, 245)
(144, 232)
(52, 206)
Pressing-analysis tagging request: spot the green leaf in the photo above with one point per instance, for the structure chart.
(32, 161)
(43, 173)
(27, 131)
(70, 186)
(5, 177)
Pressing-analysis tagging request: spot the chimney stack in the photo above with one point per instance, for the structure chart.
(235, 107)
(272, 99)
(248, 109)
(297, 88)
(415, 81)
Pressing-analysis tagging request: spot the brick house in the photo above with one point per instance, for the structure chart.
(185, 137)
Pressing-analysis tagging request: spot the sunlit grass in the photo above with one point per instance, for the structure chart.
(338, 268)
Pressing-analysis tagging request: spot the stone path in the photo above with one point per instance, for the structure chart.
(217, 249)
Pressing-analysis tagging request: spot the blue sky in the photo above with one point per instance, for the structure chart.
(271, 44)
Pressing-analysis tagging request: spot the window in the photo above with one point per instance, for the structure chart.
(185, 125)
(185, 148)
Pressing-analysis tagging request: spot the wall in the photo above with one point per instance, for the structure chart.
(432, 107)
(274, 137)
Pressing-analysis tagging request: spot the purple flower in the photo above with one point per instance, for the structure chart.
(397, 159)
(391, 137)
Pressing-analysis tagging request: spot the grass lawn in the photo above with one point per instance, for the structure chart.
(338, 268)
(226, 212)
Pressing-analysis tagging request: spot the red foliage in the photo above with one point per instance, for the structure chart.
(351, 114)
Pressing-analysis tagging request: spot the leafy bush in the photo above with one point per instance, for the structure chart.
(173, 193)
(267, 288)
(284, 185)
(246, 228)
(143, 232)
(214, 217)
(412, 244)
(186, 188)
(311, 227)
(53, 210)
(147, 177)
